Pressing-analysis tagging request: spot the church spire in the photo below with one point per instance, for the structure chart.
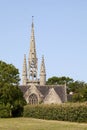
(42, 66)
(24, 73)
(42, 73)
(32, 61)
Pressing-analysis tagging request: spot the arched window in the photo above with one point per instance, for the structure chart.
(33, 99)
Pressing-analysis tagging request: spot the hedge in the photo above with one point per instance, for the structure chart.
(75, 112)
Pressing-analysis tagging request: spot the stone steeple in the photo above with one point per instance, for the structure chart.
(32, 60)
(35, 90)
(31, 76)
(24, 73)
(42, 73)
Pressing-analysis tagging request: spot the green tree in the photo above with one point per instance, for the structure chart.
(59, 80)
(80, 92)
(10, 94)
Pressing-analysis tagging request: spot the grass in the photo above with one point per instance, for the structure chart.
(37, 124)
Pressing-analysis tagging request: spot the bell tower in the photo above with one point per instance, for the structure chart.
(32, 60)
(30, 75)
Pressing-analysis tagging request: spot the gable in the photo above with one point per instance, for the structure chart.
(33, 90)
(52, 97)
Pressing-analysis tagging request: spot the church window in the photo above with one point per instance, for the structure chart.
(33, 99)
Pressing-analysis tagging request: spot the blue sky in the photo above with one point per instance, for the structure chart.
(60, 34)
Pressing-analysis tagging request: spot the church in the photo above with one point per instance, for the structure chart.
(34, 88)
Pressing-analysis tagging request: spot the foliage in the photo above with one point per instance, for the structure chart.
(4, 111)
(10, 94)
(8, 74)
(59, 80)
(75, 112)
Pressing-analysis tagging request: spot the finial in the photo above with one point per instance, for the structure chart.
(24, 55)
(42, 56)
(32, 18)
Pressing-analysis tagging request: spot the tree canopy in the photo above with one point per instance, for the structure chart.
(59, 80)
(10, 94)
(8, 74)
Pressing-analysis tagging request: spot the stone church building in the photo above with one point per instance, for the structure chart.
(35, 89)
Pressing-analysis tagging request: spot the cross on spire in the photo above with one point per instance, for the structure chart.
(32, 21)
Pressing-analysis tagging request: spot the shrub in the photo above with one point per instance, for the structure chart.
(4, 112)
(75, 112)
(17, 111)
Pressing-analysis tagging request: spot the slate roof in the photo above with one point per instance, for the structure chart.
(60, 90)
